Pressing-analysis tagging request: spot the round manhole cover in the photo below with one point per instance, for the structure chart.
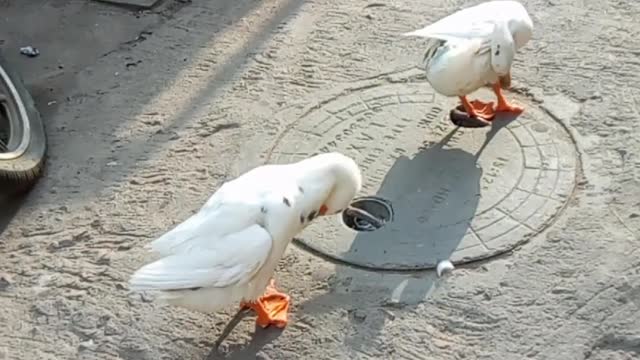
(458, 194)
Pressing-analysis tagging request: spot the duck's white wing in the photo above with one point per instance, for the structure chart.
(471, 23)
(222, 244)
(447, 32)
(207, 226)
(234, 206)
(233, 259)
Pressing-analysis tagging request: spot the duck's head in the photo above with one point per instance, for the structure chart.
(521, 32)
(520, 25)
(340, 179)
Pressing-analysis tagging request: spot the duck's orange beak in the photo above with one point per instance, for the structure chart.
(323, 210)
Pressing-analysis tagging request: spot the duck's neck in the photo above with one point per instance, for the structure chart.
(314, 190)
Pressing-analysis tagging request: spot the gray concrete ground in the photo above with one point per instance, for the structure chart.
(144, 128)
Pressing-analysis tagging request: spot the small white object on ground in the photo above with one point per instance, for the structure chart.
(29, 51)
(443, 267)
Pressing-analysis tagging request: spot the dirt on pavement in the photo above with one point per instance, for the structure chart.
(147, 113)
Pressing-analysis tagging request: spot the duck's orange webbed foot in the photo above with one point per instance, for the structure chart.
(480, 110)
(503, 105)
(510, 108)
(272, 308)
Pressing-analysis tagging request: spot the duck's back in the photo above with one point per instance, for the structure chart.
(213, 258)
(475, 22)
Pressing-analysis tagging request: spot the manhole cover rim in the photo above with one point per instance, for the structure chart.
(338, 257)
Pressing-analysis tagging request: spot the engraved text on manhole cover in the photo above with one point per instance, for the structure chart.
(462, 194)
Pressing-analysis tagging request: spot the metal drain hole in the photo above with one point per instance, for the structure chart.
(367, 213)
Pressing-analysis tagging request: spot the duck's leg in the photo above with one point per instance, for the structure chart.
(503, 105)
(272, 308)
(505, 81)
(478, 109)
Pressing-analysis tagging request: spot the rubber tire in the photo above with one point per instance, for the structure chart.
(20, 174)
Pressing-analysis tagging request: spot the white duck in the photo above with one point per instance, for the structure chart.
(475, 47)
(228, 251)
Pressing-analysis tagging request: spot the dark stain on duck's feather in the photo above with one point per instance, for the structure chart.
(301, 218)
(432, 49)
(301, 189)
(263, 210)
(286, 201)
(312, 215)
(497, 50)
(192, 289)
